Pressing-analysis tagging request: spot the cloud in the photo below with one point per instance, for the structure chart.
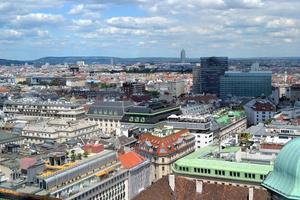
(37, 19)
(138, 22)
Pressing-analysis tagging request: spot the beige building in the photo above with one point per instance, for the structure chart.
(164, 146)
(58, 130)
(107, 114)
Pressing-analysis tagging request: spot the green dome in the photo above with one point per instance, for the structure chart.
(285, 177)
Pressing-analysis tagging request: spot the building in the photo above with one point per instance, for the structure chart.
(101, 175)
(148, 115)
(40, 108)
(245, 84)
(225, 165)
(182, 56)
(206, 78)
(193, 108)
(139, 172)
(182, 188)
(173, 88)
(275, 132)
(130, 88)
(259, 110)
(58, 130)
(163, 147)
(228, 123)
(46, 80)
(107, 114)
(198, 125)
(283, 181)
(295, 92)
(8, 141)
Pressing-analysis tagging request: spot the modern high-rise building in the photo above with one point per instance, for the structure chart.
(246, 84)
(182, 56)
(206, 78)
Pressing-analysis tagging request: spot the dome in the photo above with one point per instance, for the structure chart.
(285, 177)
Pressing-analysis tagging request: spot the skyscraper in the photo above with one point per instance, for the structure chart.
(206, 78)
(182, 56)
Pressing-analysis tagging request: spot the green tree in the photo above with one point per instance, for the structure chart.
(79, 156)
(85, 154)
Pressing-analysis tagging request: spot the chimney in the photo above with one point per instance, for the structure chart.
(251, 193)
(172, 182)
(199, 186)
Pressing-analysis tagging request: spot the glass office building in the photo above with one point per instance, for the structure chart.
(206, 78)
(246, 84)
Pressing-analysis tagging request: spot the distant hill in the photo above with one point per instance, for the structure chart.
(288, 61)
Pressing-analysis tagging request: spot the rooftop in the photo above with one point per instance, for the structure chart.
(209, 156)
(130, 159)
(224, 117)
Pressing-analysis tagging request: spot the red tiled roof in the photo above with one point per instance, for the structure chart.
(263, 106)
(163, 145)
(271, 146)
(130, 159)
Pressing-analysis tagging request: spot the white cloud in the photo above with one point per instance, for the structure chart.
(37, 19)
(138, 22)
(282, 22)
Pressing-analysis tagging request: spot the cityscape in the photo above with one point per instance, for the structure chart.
(149, 100)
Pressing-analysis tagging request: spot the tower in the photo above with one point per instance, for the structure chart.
(182, 56)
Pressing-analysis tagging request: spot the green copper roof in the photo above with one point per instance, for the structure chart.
(285, 178)
(203, 158)
(224, 118)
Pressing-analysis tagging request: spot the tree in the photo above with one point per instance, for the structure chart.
(85, 154)
(67, 154)
(79, 156)
(73, 157)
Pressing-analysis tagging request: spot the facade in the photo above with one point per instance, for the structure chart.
(58, 130)
(139, 172)
(245, 84)
(283, 182)
(259, 110)
(149, 114)
(295, 92)
(107, 114)
(133, 88)
(206, 78)
(198, 125)
(228, 165)
(37, 107)
(173, 88)
(164, 146)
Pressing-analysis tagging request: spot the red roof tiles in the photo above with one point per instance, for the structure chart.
(263, 106)
(131, 159)
(162, 145)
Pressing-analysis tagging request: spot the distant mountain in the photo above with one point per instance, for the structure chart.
(107, 60)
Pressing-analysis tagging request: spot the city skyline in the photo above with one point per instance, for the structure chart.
(138, 28)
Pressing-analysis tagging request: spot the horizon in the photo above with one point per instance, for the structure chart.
(262, 57)
(139, 28)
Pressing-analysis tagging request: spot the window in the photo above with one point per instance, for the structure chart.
(230, 173)
(163, 168)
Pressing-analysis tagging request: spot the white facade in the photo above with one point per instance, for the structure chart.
(203, 139)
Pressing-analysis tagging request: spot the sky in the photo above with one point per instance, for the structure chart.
(30, 29)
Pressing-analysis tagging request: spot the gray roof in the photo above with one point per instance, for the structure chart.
(109, 108)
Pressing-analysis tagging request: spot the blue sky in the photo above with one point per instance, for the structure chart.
(31, 29)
